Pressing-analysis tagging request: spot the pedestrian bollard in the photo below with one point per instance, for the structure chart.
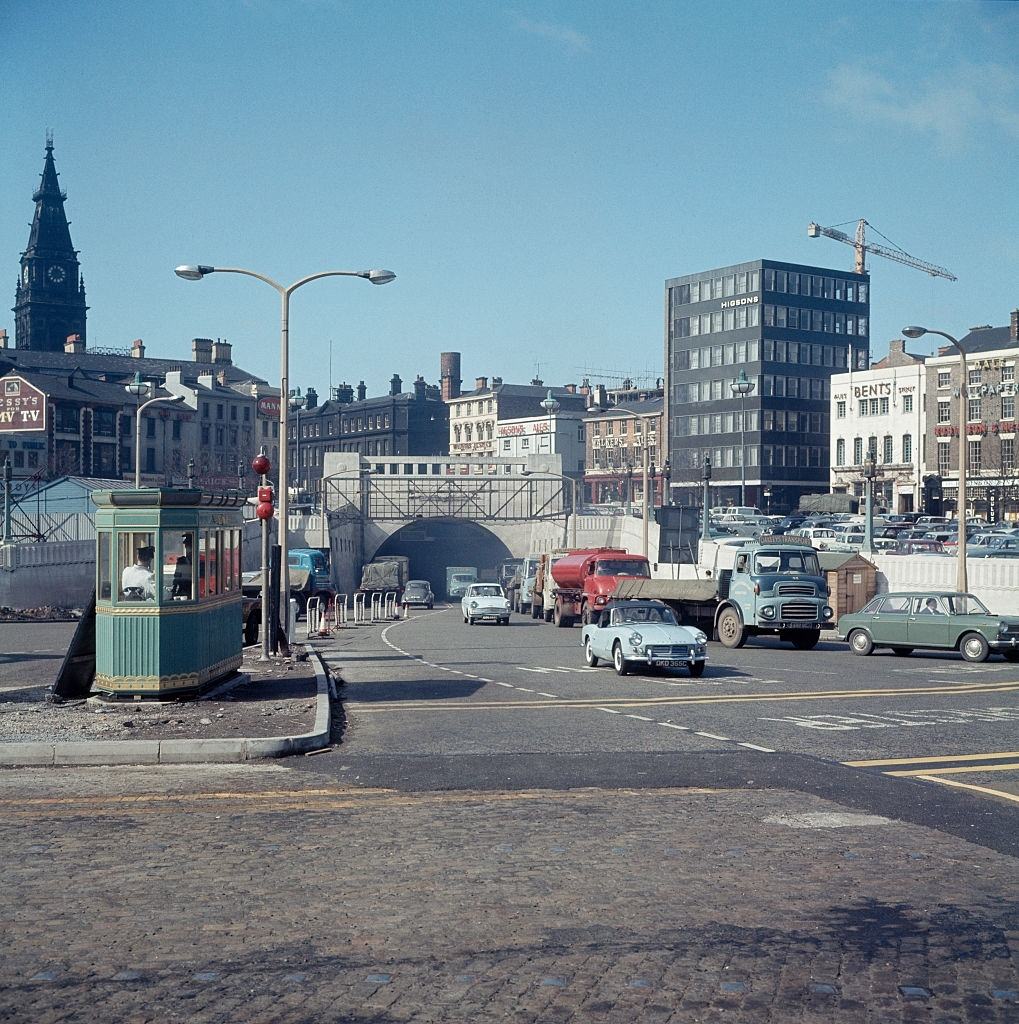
(292, 621)
(359, 612)
(340, 610)
(376, 607)
(313, 613)
(389, 611)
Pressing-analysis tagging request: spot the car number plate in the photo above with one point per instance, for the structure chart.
(672, 663)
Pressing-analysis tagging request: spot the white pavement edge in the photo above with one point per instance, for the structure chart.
(96, 752)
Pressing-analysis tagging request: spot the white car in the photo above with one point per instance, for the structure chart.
(485, 601)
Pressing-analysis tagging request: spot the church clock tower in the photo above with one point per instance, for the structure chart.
(49, 302)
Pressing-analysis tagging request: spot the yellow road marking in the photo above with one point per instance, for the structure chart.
(961, 770)
(623, 702)
(975, 789)
(931, 760)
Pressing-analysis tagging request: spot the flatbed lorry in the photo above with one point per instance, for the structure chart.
(771, 586)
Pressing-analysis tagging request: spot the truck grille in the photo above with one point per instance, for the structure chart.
(794, 610)
(669, 651)
(806, 589)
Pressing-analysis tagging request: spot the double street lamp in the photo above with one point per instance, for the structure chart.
(741, 387)
(919, 332)
(191, 272)
(139, 387)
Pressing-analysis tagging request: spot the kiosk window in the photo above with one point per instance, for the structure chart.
(104, 588)
(211, 560)
(136, 566)
(178, 565)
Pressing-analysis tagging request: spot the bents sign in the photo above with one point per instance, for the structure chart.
(22, 405)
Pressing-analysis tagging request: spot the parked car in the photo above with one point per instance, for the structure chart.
(919, 546)
(418, 593)
(643, 634)
(485, 601)
(942, 620)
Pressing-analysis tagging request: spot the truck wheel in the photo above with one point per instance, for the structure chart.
(548, 615)
(251, 631)
(535, 611)
(590, 658)
(585, 616)
(731, 631)
(618, 661)
(805, 640)
(558, 618)
(697, 668)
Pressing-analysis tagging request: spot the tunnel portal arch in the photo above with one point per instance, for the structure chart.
(433, 544)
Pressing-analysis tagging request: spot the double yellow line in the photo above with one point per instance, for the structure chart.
(934, 769)
(458, 704)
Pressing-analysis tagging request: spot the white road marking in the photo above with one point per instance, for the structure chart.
(611, 711)
(509, 685)
(670, 725)
(482, 679)
(524, 688)
(712, 736)
(640, 718)
(554, 696)
(754, 746)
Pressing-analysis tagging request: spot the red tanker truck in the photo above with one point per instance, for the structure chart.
(584, 581)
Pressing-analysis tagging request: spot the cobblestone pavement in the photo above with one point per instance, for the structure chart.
(275, 896)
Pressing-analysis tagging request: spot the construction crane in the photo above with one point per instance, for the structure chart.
(890, 251)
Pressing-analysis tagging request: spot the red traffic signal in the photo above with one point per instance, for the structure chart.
(260, 464)
(264, 510)
(265, 495)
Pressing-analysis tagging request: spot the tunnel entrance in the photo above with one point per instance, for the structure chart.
(434, 544)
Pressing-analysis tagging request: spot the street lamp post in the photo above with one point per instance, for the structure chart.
(296, 403)
(706, 499)
(544, 471)
(742, 386)
(139, 387)
(870, 471)
(918, 332)
(196, 273)
(551, 406)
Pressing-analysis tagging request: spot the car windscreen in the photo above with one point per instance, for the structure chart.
(486, 592)
(786, 561)
(622, 567)
(965, 604)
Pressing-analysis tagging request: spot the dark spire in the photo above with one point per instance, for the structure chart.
(50, 235)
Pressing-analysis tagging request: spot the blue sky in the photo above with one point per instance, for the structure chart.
(532, 172)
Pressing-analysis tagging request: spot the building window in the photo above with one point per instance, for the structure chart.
(176, 430)
(973, 410)
(1008, 407)
(884, 406)
(973, 455)
(840, 452)
(907, 403)
(974, 376)
(840, 412)
(857, 451)
(875, 406)
(1008, 374)
(944, 412)
(1008, 454)
(907, 447)
(944, 378)
(864, 406)
(150, 427)
(944, 458)
(887, 454)
(219, 410)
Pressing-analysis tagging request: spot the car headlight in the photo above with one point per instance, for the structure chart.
(505, 604)
(474, 604)
(827, 611)
(699, 638)
(1002, 628)
(636, 640)
(767, 613)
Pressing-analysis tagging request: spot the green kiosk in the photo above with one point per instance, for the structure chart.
(168, 590)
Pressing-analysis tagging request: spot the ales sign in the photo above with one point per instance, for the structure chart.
(22, 406)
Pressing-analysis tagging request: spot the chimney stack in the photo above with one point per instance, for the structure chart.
(449, 375)
(571, 389)
(480, 383)
(138, 348)
(537, 382)
(420, 388)
(310, 398)
(221, 378)
(221, 352)
(201, 350)
(3, 339)
(395, 385)
(362, 391)
(1014, 327)
(496, 382)
(344, 394)
(74, 344)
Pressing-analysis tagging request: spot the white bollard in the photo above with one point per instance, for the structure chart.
(313, 615)
(340, 610)
(389, 609)
(376, 606)
(359, 612)
(292, 621)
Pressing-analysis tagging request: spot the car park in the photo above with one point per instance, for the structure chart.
(945, 620)
(485, 601)
(418, 593)
(632, 635)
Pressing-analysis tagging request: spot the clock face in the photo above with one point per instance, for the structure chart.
(56, 274)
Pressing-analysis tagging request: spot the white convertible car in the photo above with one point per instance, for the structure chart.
(643, 634)
(485, 601)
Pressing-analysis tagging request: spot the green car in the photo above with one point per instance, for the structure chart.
(942, 620)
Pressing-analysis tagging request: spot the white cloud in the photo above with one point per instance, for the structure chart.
(952, 105)
(568, 37)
